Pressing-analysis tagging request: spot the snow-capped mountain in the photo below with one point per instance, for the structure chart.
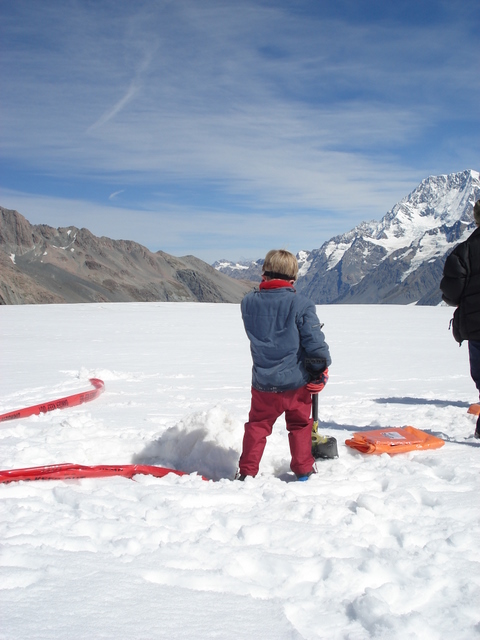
(242, 270)
(400, 259)
(252, 270)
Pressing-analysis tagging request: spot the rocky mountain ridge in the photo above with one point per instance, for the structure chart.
(398, 260)
(40, 264)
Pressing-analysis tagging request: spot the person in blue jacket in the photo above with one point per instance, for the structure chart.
(290, 361)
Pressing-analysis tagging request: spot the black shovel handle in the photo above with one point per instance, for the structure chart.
(315, 407)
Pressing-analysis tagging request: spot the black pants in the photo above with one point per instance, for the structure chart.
(474, 355)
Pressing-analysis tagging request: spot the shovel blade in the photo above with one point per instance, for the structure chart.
(324, 447)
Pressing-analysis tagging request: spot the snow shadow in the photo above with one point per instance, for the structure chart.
(334, 426)
(419, 401)
(444, 436)
(199, 443)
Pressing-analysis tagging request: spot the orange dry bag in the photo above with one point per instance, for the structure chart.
(393, 440)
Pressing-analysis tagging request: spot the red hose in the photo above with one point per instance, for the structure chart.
(61, 403)
(68, 471)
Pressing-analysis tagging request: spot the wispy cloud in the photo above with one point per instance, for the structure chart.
(254, 108)
(111, 113)
(130, 93)
(113, 195)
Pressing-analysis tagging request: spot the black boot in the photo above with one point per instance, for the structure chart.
(477, 430)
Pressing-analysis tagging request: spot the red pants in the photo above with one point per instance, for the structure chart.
(266, 408)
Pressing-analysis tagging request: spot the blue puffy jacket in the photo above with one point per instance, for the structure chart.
(285, 338)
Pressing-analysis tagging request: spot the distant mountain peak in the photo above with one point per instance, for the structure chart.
(398, 259)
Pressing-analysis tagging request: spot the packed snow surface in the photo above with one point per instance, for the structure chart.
(370, 547)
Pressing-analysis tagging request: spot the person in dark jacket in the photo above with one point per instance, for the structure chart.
(460, 288)
(288, 351)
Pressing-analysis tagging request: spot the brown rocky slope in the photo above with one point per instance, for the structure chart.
(42, 265)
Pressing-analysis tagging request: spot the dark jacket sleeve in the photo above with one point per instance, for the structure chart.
(455, 274)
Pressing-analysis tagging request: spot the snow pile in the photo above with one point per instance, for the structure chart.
(199, 443)
(370, 547)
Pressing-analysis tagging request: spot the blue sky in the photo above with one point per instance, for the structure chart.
(222, 129)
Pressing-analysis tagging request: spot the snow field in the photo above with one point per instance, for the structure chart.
(370, 547)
